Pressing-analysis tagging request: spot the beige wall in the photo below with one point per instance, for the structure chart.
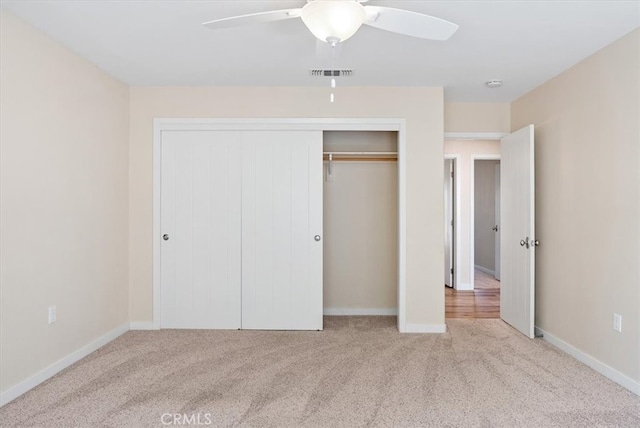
(421, 107)
(485, 213)
(587, 205)
(476, 117)
(361, 226)
(465, 150)
(63, 201)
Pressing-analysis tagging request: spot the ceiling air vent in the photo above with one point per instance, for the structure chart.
(331, 73)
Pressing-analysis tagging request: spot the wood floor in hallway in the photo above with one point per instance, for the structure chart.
(482, 302)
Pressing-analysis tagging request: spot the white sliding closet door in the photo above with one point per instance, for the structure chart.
(201, 221)
(282, 230)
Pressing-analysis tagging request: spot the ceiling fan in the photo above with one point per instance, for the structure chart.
(334, 21)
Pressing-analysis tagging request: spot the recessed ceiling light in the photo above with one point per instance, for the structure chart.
(495, 83)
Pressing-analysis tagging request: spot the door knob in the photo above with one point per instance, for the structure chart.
(495, 228)
(524, 242)
(535, 243)
(317, 237)
(165, 237)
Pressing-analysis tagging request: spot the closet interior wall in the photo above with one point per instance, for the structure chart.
(360, 225)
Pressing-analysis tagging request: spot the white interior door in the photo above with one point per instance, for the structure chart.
(200, 221)
(282, 230)
(448, 223)
(498, 226)
(517, 193)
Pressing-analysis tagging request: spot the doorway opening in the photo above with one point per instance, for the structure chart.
(360, 214)
(486, 224)
(485, 251)
(471, 226)
(515, 228)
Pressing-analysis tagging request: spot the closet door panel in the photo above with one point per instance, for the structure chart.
(281, 214)
(201, 214)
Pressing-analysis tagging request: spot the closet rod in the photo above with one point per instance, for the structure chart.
(361, 156)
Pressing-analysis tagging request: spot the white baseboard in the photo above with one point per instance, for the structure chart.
(485, 270)
(465, 286)
(600, 367)
(425, 328)
(360, 311)
(35, 380)
(142, 325)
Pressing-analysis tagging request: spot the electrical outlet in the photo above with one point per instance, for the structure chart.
(617, 322)
(52, 314)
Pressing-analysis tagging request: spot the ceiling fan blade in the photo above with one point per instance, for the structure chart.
(253, 18)
(410, 23)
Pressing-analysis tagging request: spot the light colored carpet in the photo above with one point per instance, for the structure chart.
(358, 372)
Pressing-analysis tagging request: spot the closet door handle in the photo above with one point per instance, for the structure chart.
(317, 238)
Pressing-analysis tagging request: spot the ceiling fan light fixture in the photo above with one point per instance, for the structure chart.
(330, 19)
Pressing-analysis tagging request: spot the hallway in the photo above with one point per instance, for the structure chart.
(482, 302)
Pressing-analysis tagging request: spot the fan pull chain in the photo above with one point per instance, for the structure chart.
(333, 79)
(333, 42)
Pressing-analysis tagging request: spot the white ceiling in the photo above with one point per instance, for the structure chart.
(156, 43)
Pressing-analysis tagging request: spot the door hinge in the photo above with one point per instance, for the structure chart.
(451, 271)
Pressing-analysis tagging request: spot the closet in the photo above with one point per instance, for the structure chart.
(241, 222)
(360, 223)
